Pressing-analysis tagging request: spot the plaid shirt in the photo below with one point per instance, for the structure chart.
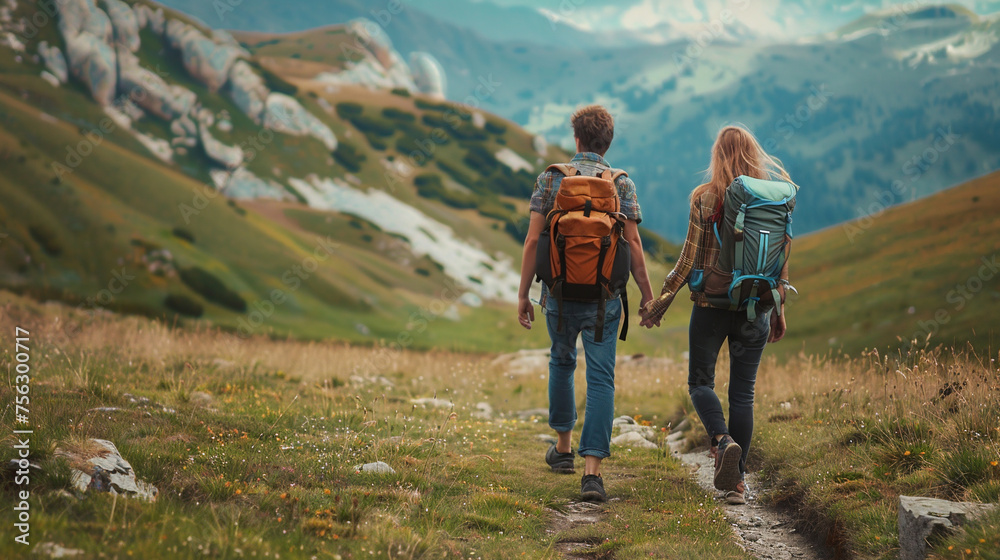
(700, 251)
(543, 199)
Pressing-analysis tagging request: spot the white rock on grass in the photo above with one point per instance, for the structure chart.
(227, 156)
(284, 114)
(247, 90)
(524, 362)
(151, 92)
(623, 420)
(483, 411)
(920, 518)
(52, 80)
(633, 440)
(54, 60)
(433, 403)
(204, 60)
(124, 24)
(98, 466)
(429, 76)
(645, 431)
(377, 467)
(53, 550)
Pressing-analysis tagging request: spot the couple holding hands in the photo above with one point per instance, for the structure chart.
(583, 243)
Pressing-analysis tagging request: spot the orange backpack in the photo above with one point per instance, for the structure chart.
(582, 254)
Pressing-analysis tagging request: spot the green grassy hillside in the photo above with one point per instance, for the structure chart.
(120, 230)
(879, 282)
(923, 268)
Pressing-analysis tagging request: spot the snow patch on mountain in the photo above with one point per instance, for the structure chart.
(490, 277)
(962, 46)
(515, 162)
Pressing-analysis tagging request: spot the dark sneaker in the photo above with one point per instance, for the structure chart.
(592, 488)
(727, 465)
(560, 462)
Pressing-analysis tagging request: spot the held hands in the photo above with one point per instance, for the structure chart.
(652, 311)
(525, 312)
(778, 326)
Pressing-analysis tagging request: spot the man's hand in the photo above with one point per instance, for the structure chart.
(650, 318)
(778, 326)
(525, 312)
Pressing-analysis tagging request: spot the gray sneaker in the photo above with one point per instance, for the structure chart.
(592, 488)
(560, 462)
(727, 465)
(737, 497)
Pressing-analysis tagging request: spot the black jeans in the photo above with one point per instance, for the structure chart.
(710, 327)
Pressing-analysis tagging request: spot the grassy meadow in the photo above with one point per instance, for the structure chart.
(258, 458)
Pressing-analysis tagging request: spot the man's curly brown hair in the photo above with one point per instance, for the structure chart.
(594, 127)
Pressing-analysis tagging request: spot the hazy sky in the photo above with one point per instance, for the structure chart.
(783, 17)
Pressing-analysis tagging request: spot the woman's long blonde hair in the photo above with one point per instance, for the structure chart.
(737, 152)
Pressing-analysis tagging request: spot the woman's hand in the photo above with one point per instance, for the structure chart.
(653, 311)
(778, 326)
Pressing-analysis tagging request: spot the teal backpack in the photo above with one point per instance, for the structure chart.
(755, 239)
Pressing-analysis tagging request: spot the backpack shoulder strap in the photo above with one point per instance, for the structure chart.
(564, 168)
(612, 174)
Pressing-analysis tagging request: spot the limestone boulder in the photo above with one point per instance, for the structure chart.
(227, 156)
(151, 92)
(247, 90)
(204, 59)
(97, 466)
(922, 519)
(428, 74)
(54, 61)
(155, 20)
(78, 16)
(94, 63)
(124, 25)
(286, 115)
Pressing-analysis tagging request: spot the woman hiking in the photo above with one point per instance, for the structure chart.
(736, 153)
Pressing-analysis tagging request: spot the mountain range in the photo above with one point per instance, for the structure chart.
(852, 111)
(318, 184)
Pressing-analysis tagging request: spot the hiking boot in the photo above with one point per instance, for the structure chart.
(727, 465)
(592, 488)
(560, 462)
(737, 497)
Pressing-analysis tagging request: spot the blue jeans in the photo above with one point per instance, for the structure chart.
(579, 318)
(710, 327)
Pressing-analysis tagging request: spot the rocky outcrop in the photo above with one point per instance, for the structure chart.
(155, 20)
(921, 519)
(87, 33)
(97, 466)
(54, 60)
(83, 16)
(229, 157)
(381, 68)
(124, 25)
(93, 62)
(151, 92)
(204, 59)
(247, 90)
(284, 114)
(428, 74)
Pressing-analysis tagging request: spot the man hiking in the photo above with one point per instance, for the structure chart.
(583, 242)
